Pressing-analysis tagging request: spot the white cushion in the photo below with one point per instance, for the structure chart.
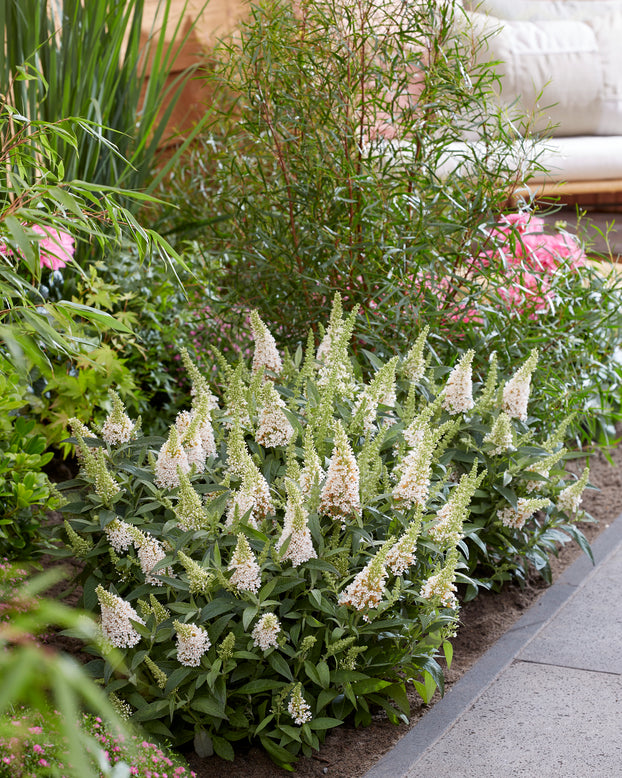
(534, 10)
(589, 158)
(567, 49)
(579, 158)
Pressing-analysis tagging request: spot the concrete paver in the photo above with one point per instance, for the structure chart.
(545, 700)
(586, 633)
(505, 732)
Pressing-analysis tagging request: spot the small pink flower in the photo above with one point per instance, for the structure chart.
(57, 247)
(521, 221)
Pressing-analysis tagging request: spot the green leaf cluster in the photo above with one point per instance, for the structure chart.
(95, 62)
(26, 493)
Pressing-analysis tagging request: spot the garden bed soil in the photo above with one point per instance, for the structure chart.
(349, 752)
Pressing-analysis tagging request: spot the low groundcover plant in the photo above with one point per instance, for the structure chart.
(290, 555)
(35, 747)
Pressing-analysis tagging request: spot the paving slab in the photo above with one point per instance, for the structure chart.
(545, 699)
(504, 734)
(586, 633)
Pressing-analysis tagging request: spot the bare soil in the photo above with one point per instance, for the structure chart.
(349, 752)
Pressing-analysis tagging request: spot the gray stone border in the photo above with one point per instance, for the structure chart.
(441, 717)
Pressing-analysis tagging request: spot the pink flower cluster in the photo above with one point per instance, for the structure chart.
(522, 265)
(24, 754)
(56, 247)
(531, 259)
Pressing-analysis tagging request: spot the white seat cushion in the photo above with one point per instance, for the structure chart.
(577, 158)
(590, 158)
(567, 49)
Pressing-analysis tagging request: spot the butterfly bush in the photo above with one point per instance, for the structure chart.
(266, 590)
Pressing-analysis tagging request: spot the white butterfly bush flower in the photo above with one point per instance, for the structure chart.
(253, 495)
(300, 548)
(340, 495)
(274, 426)
(298, 708)
(516, 390)
(458, 392)
(266, 354)
(570, 498)
(192, 643)
(189, 510)
(150, 552)
(415, 471)
(402, 553)
(120, 535)
(501, 436)
(116, 616)
(414, 363)
(441, 586)
(367, 588)
(246, 572)
(515, 518)
(447, 531)
(266, 632)
(312, 473)
(118, 427)
(170, 457)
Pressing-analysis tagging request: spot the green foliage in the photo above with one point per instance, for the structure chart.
(302, 186)
(91, 60)
(68, 347)
(25, 491)
(164, 316)
(336, 160)
(80, 387)
(289, 559)
(31, 325)
(40, 681)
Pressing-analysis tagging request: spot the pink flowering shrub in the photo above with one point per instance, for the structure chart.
(528, 259)
(56, 247)
(518, 275)
(30, 746)
(290, 555)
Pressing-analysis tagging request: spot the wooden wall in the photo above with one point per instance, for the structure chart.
(214, 19)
